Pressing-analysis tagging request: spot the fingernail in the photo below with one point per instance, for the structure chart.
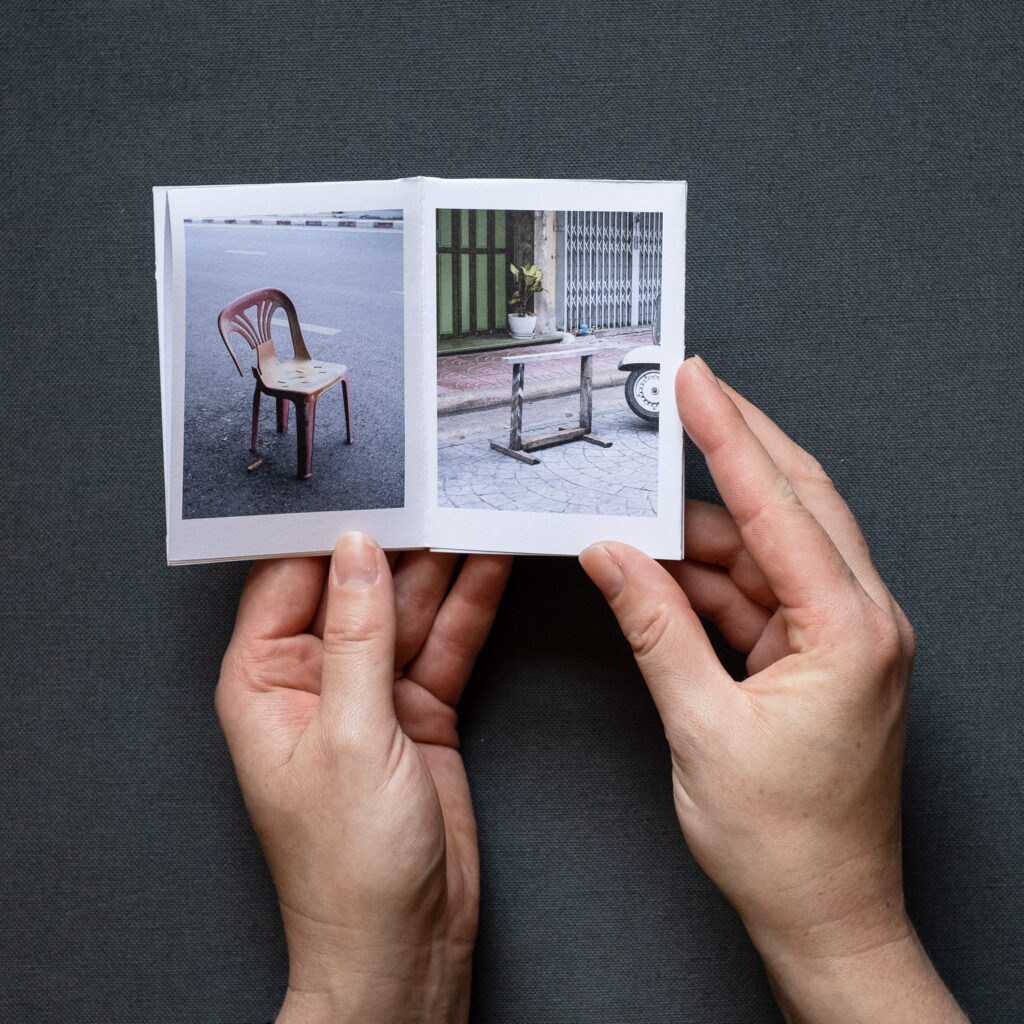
(601, 567)
(355, 561)
(704, 368)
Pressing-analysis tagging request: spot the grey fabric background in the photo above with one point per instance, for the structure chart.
(854, 266)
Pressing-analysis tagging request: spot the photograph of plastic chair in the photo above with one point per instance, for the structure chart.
(300, 380)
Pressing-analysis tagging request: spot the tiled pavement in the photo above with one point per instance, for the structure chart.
(576, 477)
(572, 478)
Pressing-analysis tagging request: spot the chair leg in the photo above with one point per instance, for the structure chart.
(282, 415)
(348, 409)
(305, 418)
(255, 416)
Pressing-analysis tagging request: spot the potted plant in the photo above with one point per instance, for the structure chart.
(521, 322)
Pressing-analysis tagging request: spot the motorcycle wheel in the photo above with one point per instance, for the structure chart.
(643, 390)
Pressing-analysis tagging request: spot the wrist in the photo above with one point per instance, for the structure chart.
(397, 985)
(368, 1001)
(377, 965)
(876, 979)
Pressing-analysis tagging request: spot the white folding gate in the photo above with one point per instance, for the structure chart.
(610, 268)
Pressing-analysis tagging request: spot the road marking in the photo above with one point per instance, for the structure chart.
(246, 252)
(282, 321)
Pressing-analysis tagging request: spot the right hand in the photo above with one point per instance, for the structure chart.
(787, 784)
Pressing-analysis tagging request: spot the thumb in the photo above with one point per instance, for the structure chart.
(357, 688)
(673, 652)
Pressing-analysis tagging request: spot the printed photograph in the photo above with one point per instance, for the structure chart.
(294, 364)
(548, 360)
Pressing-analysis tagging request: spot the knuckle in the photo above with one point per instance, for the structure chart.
(777, 503)
(352, 634)
(766, 506)
(220, 702)
(646, 629)
(810, 471)
(460, 646)
(907, 634)
(886, 642)
(225, 692)
(417, 599)
(423, 715)
(811, 481)
(722, 605)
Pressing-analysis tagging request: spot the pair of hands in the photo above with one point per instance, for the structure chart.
(338, 695)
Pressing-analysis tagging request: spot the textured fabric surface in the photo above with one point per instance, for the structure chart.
(854, 266)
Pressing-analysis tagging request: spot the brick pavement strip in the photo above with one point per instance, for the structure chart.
(575, 478)
(475, 380)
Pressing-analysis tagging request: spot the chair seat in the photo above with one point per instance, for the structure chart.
(303, 376)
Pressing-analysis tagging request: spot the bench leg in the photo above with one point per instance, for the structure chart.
(514, 448)
(515, 430)
(586, 393)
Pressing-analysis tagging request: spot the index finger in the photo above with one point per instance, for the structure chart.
(802, 565)
(463, 623)
(817, 492)
(421, 582)
(280, 598)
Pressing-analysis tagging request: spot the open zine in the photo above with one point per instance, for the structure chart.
(466, 365)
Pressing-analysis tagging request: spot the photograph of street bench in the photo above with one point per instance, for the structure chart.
(536, 311)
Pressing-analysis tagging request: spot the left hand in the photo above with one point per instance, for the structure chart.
(337, 696)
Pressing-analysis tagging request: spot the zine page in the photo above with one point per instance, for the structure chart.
(551, 441)
(467, 365)
(295, 416)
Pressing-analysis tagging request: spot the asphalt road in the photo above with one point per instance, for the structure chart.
(343, 280)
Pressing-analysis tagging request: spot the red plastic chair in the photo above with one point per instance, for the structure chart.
(301, 380)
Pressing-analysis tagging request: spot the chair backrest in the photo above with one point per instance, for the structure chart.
(250, 316)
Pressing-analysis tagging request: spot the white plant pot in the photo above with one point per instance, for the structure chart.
(521, 326)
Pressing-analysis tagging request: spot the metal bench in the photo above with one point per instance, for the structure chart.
(519, 447)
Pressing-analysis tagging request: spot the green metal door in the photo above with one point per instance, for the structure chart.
(474, 249)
